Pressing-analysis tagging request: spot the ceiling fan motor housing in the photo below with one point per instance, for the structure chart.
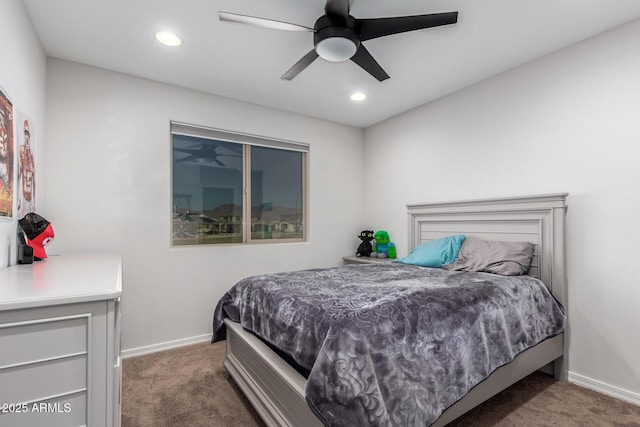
(334, 40)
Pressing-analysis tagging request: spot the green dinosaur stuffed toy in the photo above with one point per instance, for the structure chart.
(384, 247)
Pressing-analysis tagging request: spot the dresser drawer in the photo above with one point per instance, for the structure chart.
(43, 380)
(42, 339)
(64, 411)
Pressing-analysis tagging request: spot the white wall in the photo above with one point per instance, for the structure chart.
(109, 188)
(23, 79)
(568, 122)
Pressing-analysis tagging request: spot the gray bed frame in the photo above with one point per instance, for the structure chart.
(276, 390)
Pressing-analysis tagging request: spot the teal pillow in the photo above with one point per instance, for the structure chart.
(435, 253)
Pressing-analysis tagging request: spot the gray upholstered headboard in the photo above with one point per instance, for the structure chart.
(535, 219)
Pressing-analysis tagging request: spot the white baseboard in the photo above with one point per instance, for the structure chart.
(604, 388)
(139, 351)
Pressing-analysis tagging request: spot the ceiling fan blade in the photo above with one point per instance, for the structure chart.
(338, 9)
(187, 158)
(261, 22)
(183, 150)
(379, 27)
(364, 59)
(303, 63)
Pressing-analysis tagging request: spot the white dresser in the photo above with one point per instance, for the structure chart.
(60, 342)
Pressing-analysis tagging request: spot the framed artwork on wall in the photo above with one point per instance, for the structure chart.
(6, 156)
(26, 171)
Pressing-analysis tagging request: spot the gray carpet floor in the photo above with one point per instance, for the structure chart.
(187, 387)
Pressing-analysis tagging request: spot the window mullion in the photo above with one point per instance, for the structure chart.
(246, 193)
(305, 201)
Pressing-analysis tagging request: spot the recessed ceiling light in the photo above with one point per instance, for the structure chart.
(358, 96)
(168, 38)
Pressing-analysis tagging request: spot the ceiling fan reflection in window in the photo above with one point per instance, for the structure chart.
(206, 153)
(338, 36)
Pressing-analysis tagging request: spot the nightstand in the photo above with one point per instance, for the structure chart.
(365, 260)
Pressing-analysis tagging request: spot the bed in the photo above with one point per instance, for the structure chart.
(281, 392)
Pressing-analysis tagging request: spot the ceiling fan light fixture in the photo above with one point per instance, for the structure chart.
(336, 49)
(334, 43)
(168, 38)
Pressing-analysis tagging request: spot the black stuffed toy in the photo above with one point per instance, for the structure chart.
(365, 247)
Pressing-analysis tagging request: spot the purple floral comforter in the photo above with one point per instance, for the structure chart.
(392, 344)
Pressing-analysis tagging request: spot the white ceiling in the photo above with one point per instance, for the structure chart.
(245, 63)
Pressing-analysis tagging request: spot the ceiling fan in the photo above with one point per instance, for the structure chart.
(206, 153)
(338, 36)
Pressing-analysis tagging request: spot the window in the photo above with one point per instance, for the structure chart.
(235, 188)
